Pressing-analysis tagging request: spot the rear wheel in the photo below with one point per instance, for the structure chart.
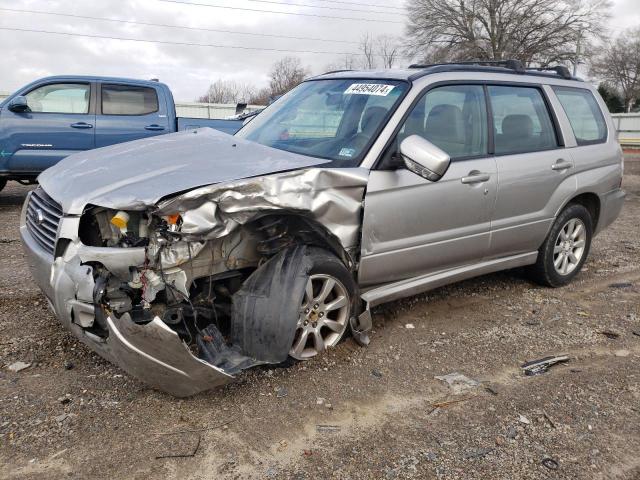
(326, 306)
(565, 250)
(3, 183)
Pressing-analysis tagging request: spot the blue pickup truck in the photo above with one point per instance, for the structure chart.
(54, 117)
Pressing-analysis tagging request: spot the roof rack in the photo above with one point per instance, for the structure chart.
(510, 64)
(515, 65)
(559, 69)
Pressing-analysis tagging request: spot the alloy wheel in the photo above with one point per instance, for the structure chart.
(324, 316)
(569, 246)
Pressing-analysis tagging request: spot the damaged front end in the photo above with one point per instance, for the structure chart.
(172, 293)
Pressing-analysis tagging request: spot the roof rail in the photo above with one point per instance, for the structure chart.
(515, 65)
(559, 69)
(338, 71)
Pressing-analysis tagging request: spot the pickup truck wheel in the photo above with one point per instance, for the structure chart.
(565, 250)
(3, 183)
(326, 306)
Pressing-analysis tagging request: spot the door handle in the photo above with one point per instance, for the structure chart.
(475, 177)
(81, 125)
(561, 164)
(154, 127)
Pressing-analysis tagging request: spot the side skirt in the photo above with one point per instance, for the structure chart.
(416, 285)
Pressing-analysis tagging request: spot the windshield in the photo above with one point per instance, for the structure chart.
(332, 119)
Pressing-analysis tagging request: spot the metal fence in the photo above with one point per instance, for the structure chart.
(628, 126)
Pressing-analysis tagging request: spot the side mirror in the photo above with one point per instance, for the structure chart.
(423, 158)
(19, 104)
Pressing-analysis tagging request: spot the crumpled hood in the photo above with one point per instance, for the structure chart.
(135, 175)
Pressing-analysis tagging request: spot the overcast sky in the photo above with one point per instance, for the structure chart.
(188, 69)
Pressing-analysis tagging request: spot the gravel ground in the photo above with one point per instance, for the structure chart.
(375, 412)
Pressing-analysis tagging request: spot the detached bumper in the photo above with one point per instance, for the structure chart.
(151, 352)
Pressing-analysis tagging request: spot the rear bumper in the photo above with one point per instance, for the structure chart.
(151, 352)
(610, 206)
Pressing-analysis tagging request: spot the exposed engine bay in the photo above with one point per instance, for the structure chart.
(188, 284)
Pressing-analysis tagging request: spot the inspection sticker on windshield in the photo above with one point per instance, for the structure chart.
(369, 89)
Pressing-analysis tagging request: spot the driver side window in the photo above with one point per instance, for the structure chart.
(454, 118)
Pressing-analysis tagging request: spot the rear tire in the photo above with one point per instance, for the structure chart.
(3, 183)
(565, 249)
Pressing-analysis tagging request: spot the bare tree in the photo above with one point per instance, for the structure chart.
(533, 31)
(286, 74)
(389, 49)
(367, 49)
(619, 65)
(227, 91)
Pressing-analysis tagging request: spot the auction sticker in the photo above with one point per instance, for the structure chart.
(378, 89)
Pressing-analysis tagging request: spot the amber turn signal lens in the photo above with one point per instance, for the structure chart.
(173, 219)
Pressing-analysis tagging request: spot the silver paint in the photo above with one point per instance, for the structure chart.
(333, 197)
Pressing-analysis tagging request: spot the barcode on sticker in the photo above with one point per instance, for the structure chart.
(369, 89)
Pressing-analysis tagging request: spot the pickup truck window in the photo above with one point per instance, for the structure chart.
(128, 100)
(332, 119)
(60, 98)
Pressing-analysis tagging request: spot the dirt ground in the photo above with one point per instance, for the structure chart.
(375, 412)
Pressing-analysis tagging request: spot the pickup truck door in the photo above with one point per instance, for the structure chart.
(60, 121)
(128, 112)
(414, 227)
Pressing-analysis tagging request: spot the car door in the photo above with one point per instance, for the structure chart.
(58, 122)
(533, 167)
(414, 227)
(128, 112)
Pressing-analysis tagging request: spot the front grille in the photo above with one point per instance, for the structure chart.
(43, 217)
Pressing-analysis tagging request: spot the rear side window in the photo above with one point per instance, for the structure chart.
(521, 120)
(128, 100)
(584, 115)
(60, 98)
(454, 118)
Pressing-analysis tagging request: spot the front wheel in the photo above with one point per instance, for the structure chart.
(565, 250)
(326, 306)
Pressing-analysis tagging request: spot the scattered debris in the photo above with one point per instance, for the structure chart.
(609, 334)
(281, 392)
(62, 418)
(327, 428)
(500, 440)
(458, 383)
(65, 400)
(409, 326)
(636, 333)
(177, 445)
(622, 353)
(477, 453)
(536, 367)
(550, 463)
(621, 285)
(491, 389)
(307, 453)
(523, 419)
(68, 365)
(18, 366)
(551, 422)
(329, 406)
(512, 432)
(446, 403)
(583, 314)
(376, 373)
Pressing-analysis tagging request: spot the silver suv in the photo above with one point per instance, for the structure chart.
(189, 257)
